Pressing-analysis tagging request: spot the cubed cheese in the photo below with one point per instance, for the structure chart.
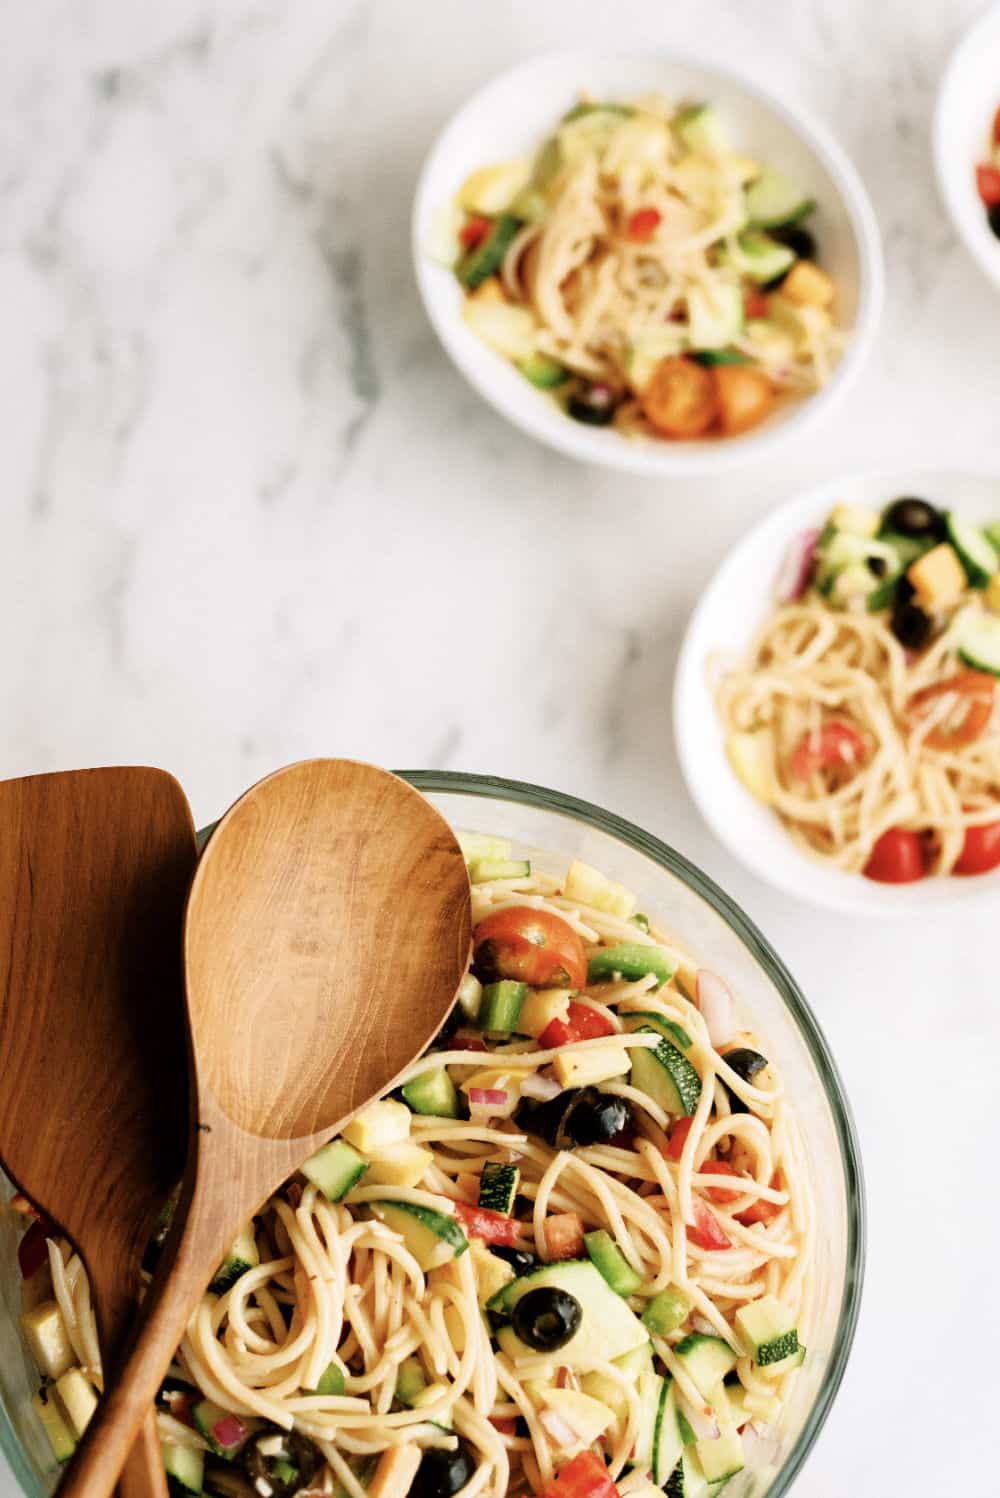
(751, 755)
(807, 285)
(938, 577)
(491, 1273)
(78, 1398)
(405, 1166)
(541, 1007)
(584, 1068)
(379, 1127)
(48, 1342)
(591, 887)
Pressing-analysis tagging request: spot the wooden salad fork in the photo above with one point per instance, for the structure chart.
(327, 931)
(95, 867)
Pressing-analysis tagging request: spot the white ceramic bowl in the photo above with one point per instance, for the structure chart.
(731, 610)
(968, 98)
(512, 115)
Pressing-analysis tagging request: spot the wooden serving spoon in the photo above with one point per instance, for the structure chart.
(95, 866)
(327, 931)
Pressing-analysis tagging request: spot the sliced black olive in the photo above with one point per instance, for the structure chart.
(222, 1479)
(547, 1318)
(518, 1258)
(746, 1063)
(442, 1473)
(877, 566)
(593, 404)
(286, 1472)
(911, 626)
(910, 516)
(993, 219)
(579, 1117)
(798, 239)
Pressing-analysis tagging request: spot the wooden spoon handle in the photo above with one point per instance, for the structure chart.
(143, 1475)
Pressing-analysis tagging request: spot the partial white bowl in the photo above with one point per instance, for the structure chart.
(732, 609)
(511, 117)
(967, 100)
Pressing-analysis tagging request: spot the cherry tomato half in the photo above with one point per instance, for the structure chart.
(980, 851)
(755, 304)
(988, 183)
(897, 858)
(530, 946)
(837, 744)
(978, 688)
(680, 399)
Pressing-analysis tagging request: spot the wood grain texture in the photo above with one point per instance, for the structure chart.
(327, 931)
(95, 867)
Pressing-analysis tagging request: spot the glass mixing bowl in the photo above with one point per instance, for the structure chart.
(553, 829)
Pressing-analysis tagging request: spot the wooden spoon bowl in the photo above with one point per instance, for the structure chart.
(327, 931)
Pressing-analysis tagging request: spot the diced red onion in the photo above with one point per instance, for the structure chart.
(536, 1086)
(716, 1005)
(559, 1429)
(796, 569)
(703, 1325)
(700, 1418)
(467, 1040)
(230, 1431)
(495, 1095)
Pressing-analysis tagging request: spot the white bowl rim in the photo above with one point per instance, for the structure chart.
(948, 185)
(801, 881)
(675, 460)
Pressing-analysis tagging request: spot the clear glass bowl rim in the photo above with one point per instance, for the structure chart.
(490, 787)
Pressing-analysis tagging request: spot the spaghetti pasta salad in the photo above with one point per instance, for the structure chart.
(866, 712)
(646, 273)
(569, 1255)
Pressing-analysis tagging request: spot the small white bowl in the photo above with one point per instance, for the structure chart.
(512, 115)
(967, 101)
(731, 611)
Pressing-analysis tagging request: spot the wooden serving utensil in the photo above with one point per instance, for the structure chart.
(95, 866)
(327, 931)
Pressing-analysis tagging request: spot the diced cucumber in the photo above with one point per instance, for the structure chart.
(411, 1380)
(975, 551)
(769, 1329)
(612, 1263)
(762, 258)
(242, 1256)
(492, 189)
(785, 1365)
(666, 1075)
(331, 1381)
(607, 1327)
(702, 129)
(484, 870)
(609, 1392)
(668, 1441)
(650, 1389)
(632, 961)
(715, 315)
(666, 1312)
(487, 257)
(687, 1479)
(431, 1236)
(498, 1185)
(501, 1006)
(444, 1420)
(640, 920)
(432, 1093)
(616, 112)
(722, 1458)
(635, 1362)
(707, 1360)
(667, 1027)
(544, 373)
(209, 1418)
(482, 845)
(335, 1169)
(185, 1468)
(773, 200)
(60, 1437)
(978, 642)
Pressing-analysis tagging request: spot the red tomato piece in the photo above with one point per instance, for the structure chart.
(564, 1236)
(585, 1476)
(678, 1138)
(897, 858)
(467, 1040)
(491, 1227)
(706, 1230)
(720, 1168)
(530, 946)
(474, 231)
(587, 1022)
(755, 304)
(761, 1211)
(643, 224)
(556, 1033)
(33, 1248)
(505, 1426)
(837, 744)
(988, 184)
(975, 686)
(980, 851)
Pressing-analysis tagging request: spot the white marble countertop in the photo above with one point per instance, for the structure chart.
(251, 513)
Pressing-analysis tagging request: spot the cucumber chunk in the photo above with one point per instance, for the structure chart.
(632, 961)
(707, 1360)
(762, 258)
(432, 1093)
(242, 1256)
(769, 1329)
(650, 1389)
(978, 642)
(702, 129)
(544, 373)
(501, 1006)
(612, 1263)
(482, 845)
(722, 1458)
(668, 1441)
(185, 1468)
(666, 1075)
(975, 551)
(209, 1419)
(485, 260)
(774, 201)
(483, 870)
(431, 1236)
(411, 1380)
(335, 1169)
(498, 1185)
(667, 1027)
(715, 317)
(666, 1312)
(608, 1328)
